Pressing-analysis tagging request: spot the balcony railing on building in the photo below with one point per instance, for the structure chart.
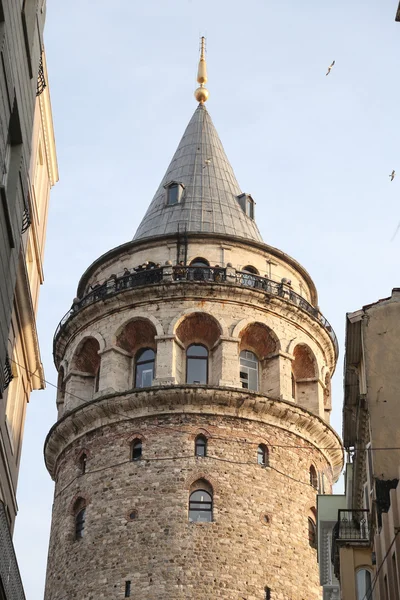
(199, 274)
(353, 527)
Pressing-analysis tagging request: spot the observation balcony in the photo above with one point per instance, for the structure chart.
(194, 274)
(353, 527)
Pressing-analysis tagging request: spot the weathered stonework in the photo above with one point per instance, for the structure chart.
(121, 513)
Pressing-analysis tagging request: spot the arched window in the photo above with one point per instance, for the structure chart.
(200, 446)
(312, 533)
(313, 477)
(200, 506)
(144, 367)
(82, 463)
(293, 387)
(80, 517)
(196, 364)
(136, 450)
(199, 270)
(262, 455)
(364, 582)
(249, 370)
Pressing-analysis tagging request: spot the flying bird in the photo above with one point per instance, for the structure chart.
(207, 162)
(330, 67)
(392, 175)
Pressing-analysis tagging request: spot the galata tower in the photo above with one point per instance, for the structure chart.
(193, 404)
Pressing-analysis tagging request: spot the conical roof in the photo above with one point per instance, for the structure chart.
(209, 201)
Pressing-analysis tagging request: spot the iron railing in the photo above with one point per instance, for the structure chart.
(10, 578)
(166, 274)
(353, 526)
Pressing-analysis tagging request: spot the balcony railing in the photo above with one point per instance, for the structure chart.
(353, 526)
(220, 275)
(10, 578)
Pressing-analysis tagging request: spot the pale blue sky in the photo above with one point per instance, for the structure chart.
(314, 151)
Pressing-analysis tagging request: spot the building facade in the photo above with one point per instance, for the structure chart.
(28, 170)
(366, 544)
(193, 404)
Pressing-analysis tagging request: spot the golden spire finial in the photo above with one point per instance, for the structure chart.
(201, 94)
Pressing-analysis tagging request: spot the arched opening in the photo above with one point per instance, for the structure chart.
(82, 460)
(144, 367)
(250, 269)
(200, 446)
(201, 502)
(327, 397)
(79, 512)
(305, 372)
(137, 337)
(197, 364)
(312, 533)
(136, 450)
(60, 391)
(313, 477)
(86, 364)
(198, 333)
(199, 262)
(260, 341)
(363, 583)
(262, 455)
(249, 370)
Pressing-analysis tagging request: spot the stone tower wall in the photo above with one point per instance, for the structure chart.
(259, 535)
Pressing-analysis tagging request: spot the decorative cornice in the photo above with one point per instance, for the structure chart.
(189, 399)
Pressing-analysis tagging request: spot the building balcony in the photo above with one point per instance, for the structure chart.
(353, 528)
(196, 275)
(10, 580)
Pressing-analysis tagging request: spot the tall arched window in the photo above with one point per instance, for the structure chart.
(200, 506)
(144, 367)
(82, 463)
(196, 364)
(249, 370)
(200, 446)
(364, 582)
(313, 477)
(312, 533)
(199, 262)
(262, 455)
(80, 517)
(136, 450)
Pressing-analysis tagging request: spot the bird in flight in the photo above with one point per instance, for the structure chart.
(207, 162)
(392, 175)
(330, 67)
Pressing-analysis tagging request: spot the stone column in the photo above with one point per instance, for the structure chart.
(225, 363)
(166, 360)
(116, 371)
(79, 388)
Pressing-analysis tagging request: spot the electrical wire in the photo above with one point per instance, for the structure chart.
(368, 593)
(211, 436)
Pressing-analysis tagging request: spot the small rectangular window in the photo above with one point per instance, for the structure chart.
(127, 589)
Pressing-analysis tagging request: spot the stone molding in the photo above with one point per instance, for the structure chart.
(231, 402)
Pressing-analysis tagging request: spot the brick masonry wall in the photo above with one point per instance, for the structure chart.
(161, 552)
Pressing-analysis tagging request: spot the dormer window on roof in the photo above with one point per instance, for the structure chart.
(174, 191)
(247, 204)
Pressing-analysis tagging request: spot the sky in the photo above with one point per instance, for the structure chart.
(314, 151)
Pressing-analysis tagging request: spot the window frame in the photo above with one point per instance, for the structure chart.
(257, 369)
(360, 594)
(262, 451)
(136, 445)
(198, 358)
(203, 439)
(208, 510)
(137, 362)
(313, 477)
(80, 520)
(173, 185)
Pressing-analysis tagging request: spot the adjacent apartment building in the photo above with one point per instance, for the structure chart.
(359, 545)
(28, 169)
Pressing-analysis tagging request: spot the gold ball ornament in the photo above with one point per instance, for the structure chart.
(201, 94)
